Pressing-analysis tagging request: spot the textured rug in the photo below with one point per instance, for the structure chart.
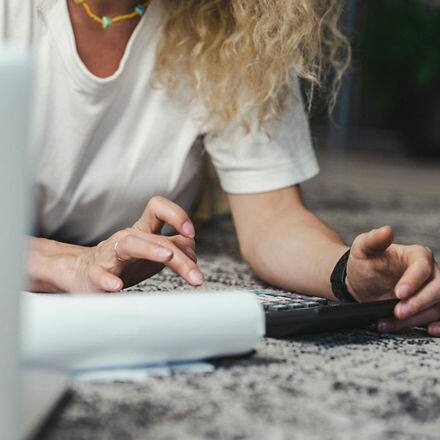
(347, 385)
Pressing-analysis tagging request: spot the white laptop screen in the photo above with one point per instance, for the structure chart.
(15, 88)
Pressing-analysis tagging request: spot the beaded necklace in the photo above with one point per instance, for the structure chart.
(105, 21)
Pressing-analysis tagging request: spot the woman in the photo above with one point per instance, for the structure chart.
(124, 90)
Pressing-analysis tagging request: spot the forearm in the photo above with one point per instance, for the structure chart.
(297, 252)
(284, 243)
(46, 264)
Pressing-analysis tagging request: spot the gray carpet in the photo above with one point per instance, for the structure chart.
(348, 385)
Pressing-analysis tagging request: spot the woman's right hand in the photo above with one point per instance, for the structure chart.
(134, 254)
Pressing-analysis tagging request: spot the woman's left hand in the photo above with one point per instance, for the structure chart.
(378, 269)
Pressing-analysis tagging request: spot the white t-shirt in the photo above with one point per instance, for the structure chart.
(104, 147)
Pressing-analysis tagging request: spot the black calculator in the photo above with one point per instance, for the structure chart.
(290, 314)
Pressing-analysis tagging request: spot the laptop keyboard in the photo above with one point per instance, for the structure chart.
(274, 301)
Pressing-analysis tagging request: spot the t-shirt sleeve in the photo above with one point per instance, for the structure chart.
(255, 162)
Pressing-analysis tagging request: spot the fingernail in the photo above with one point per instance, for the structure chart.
(163, 252)
(195, 277)
(405, 310)
(435, 330)
(403, 291)
(384, 326)
(111, 284)
(188, 229)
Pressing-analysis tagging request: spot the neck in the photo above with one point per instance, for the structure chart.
(111, 8)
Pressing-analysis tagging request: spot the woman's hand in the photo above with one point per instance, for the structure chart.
(378, 269)
(137, 253)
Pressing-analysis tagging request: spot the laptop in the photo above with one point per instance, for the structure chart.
(26, 397)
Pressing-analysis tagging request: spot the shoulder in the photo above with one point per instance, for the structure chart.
(18, 20)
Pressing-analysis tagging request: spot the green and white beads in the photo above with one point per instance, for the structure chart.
(106, 22)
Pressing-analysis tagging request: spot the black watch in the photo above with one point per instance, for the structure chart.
(338, 278)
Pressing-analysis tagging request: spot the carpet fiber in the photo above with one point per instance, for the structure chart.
(347, 385)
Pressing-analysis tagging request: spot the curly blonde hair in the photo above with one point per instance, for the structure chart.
(240, 54)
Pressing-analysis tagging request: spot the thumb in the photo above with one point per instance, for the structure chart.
(375, 242)
(104, 281)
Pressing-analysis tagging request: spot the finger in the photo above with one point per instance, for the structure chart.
(375, 242)
(424, 299)
(186, 245)
(420, 267)
(160, 211)
(104, 281)
(393, 325)
(141, 247)
(434, 329)
(181, 264)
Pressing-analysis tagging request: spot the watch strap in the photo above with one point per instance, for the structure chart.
(338, 278)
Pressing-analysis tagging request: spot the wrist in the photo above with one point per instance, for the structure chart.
(50, 264)
(349, 287)
(46, 274)
(339, 280)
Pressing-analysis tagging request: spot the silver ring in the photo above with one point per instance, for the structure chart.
(115, 248)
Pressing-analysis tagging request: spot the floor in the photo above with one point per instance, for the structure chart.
(348, 385)
(380, 172)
